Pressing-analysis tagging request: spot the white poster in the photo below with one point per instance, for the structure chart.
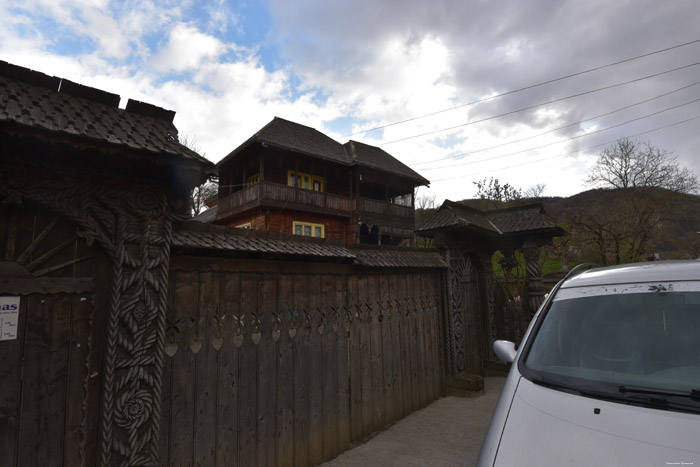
(9, 315)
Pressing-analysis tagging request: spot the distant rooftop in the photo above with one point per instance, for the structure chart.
(284, 134)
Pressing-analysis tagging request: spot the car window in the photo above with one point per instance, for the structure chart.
(642, 335)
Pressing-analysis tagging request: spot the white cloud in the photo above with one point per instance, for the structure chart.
(187, 49)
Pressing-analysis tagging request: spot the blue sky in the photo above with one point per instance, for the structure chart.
(227, 68)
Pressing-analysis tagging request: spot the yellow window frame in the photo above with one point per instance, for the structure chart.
(253, 179)
(306, 181)
(247, 225)
(311, 226)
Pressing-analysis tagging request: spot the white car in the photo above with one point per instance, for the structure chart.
(608, 373)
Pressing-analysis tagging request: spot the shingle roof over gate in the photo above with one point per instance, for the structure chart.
(529, 218)
(32, 99)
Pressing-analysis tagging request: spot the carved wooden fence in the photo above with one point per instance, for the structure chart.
(279, 363)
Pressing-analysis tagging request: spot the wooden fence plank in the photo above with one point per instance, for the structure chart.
(317, 368)
(205, 426)
(430, 342)
(355, 371)
(396, 317)
(44, 380)
(184, 370)
(388, 356)
(78, 380)
(267, 371)
(406, 375)
(285, 374)
(412, 347)
(343, 336)
(376, 369)
(329, 340)
(228, 383)
(420, 338)
(248, 363)
(173, 345)
(301, 371)
(365, 357)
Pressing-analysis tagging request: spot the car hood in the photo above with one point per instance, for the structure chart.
(550, 427)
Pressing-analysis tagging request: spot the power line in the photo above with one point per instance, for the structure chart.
(523, 88)
(559, 128)
(567, 153)
(541, 104)
(566, 139)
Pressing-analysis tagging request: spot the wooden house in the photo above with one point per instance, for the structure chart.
(291, 178)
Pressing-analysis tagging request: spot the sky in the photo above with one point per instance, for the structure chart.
(458, 90)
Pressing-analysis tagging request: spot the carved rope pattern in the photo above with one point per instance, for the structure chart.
(131, 220)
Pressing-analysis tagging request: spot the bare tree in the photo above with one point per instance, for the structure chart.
(631, 164)
(642, 183)
(425, 202)
(201, 194)
(535, 191)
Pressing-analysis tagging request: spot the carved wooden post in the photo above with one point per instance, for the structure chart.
(533, 268)
(132, 221)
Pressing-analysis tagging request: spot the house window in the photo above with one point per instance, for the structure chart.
(305, 181)
(309, 230)
(244, 226)
(253, 179)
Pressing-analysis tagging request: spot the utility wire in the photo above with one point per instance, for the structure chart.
(558, 128)
(524, 88)
(565, 140)
(541, 104)
(568, 153)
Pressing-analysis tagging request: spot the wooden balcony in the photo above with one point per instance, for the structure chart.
(393, 219)
(275, 195)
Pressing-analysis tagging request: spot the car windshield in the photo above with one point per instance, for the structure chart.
(636, 336)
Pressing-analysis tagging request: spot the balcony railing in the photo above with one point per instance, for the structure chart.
(398, 219)
(277, 195)
(391, 218)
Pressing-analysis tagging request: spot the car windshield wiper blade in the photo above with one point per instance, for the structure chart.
(636, 395)
(693, 394)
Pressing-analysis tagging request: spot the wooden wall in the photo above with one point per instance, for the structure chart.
(281, 363)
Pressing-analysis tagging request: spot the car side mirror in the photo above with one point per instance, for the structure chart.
(505, 350)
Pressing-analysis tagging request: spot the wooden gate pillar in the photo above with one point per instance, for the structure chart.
(466, 265)
(131, 219)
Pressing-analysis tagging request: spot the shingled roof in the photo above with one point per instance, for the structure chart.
(291, 136)
(56, 106)
(200, 236)
(376, 158)
(219, 240)
(283, 134)
(529, 218)
(397, 257)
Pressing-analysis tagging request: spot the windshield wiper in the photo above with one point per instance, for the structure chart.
(635, 395)
(692, 394)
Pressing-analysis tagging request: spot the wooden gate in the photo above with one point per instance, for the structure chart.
(49, 371)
